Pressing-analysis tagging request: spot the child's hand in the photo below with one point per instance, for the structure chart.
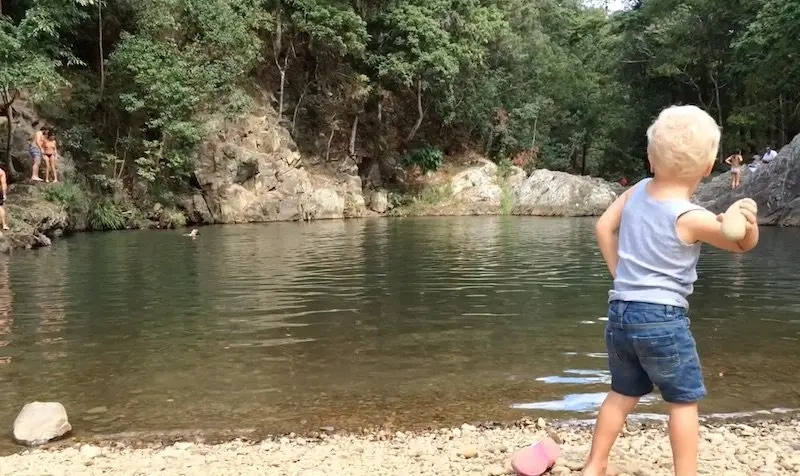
(749, 209)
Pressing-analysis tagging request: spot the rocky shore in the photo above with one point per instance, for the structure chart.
(732, 449)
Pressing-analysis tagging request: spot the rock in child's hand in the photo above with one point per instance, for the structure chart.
(740, 217)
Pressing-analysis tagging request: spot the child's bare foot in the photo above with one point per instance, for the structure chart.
(36, 179)
(5, 227)
(590, 471)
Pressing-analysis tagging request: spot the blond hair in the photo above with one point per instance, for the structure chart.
(682, 142)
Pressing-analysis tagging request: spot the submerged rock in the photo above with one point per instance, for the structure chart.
(775, 187)
(40, 422)
(548, 193)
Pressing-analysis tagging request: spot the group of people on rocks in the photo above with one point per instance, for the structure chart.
(736, 161)
(43, 145)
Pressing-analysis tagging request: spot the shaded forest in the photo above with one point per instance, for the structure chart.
(547, 83)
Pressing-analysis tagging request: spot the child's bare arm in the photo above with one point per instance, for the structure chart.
(704, 226)
(606, 232)
(3, 183)
(728, 160)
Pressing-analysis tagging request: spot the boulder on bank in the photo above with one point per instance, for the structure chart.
(379, 201)
(548, 193)
(249, 170)
(775, 187)
(40, 422)
(478, 187)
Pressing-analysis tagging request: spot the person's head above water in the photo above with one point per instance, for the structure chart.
(682, 144)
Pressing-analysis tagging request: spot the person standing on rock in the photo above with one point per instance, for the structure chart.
(50, 151)
(735, 161)
(35, 151)
(650, 239)
(3, 192)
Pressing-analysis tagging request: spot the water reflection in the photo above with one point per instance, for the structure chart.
(403, 322)
(6, 316)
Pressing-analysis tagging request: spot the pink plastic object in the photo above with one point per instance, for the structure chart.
(536, 459)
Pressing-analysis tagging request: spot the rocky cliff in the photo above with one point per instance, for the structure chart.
(249, 170)
(775, 187)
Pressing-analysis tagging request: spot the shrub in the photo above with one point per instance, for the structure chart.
(427, 158)
(106, 215)
(70, 196)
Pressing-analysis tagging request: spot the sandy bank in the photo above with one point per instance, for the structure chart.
(763, 448)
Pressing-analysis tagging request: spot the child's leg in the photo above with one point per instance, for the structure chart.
(54, 164)
(684, 432)
(3, 217)
(610, 421)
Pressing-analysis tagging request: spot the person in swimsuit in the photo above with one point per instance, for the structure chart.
(3, 192)
(35, 151)
(50, 151)
(735, 161)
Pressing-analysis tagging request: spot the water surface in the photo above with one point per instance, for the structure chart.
(408, 323)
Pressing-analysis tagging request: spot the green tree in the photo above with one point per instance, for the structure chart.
(27, 64)
(425, 44)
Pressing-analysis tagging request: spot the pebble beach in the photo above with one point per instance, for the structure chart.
(761, 448)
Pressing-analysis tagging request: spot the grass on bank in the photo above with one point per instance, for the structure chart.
(421, 202)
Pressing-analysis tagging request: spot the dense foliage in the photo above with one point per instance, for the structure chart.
(549, 83)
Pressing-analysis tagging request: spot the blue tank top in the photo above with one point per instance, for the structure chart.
(655, 266)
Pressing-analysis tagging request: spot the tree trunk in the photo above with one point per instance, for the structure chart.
(719, 106)
(9, 129)
(420, 113)
(353, 135)
(8, 101)
(276, 52)
(297, 106)
(783, 125)
(584, 151)
(330, 140)
(100, 43)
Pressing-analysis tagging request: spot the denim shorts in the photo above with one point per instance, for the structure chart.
(651, 344)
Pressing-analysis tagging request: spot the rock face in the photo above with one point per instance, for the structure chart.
(249, 170)
(33, 219)
(484, 189)
(547, 193)
(477, 189)
(775, 187)
(379, 201)
(21, 135)
(40, 422)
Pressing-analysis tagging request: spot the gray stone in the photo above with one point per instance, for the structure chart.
(547, 193)
(379, 201)
(40, 422)
(249, 170)
(90, 451)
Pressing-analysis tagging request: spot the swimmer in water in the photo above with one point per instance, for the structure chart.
(735, 161)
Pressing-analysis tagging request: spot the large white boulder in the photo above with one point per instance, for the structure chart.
(40, 422)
